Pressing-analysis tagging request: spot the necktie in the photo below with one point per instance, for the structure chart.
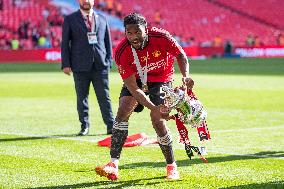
(89, 23)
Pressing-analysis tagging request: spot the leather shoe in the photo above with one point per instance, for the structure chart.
(83, 132)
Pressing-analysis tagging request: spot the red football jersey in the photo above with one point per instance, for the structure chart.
(158, 55)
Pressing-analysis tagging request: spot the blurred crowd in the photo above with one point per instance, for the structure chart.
(33, 34)
(46, 33)
(110, 6)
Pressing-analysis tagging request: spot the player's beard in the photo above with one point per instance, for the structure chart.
(140, 44)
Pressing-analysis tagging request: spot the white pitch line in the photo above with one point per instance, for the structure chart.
(249, 129)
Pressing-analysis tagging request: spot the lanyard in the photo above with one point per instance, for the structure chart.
(142, 72)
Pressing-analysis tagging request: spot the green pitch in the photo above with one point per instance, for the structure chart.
(243, 98)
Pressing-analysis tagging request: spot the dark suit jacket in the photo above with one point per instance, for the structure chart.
(77, 53)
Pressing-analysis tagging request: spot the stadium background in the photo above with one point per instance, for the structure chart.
(241, 87)
(205, 28)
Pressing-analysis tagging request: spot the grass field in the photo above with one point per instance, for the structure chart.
(243, 98)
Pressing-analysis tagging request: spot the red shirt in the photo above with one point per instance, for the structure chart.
(161, 50)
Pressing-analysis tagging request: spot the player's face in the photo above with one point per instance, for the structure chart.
(86, 4)
(135, 34)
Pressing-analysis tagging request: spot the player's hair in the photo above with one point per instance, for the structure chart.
(134, 18)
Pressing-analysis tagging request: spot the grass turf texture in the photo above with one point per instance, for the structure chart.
(243, 98)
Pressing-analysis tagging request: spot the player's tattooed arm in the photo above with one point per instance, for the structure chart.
(184, 69)
(183, 64)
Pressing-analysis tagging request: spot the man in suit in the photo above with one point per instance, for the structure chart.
(87, 52)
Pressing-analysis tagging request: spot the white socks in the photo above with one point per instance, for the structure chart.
(173, 164)
(115, 161)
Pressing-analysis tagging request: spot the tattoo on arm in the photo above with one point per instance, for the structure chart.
(183, 64)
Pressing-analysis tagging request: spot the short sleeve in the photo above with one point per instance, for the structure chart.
(173, 47)
(124, 62)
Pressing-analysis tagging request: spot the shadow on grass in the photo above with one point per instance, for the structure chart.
(46, 137)
(268, 185)
(271, 154)
(110, 184)
(75, 135)
(22, 138)
(186, 162)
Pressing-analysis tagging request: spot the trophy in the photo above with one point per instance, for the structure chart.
(189, 111)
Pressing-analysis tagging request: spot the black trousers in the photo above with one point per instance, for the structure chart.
(100, 82)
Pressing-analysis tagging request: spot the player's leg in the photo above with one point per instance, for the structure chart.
(163, 134)
(120, 128)
(127, 105)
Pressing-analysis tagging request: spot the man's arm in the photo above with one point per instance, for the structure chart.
(65, 47)
(108, 45)
(137, 93)
(184, 69)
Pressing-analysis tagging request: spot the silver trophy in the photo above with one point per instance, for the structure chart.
(190, 111)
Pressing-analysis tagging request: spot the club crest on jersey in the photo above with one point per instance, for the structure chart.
(156, 53)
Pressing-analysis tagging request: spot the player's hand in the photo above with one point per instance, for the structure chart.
(188, 82)
(67, 70)
(165, 112)
(156, 113)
